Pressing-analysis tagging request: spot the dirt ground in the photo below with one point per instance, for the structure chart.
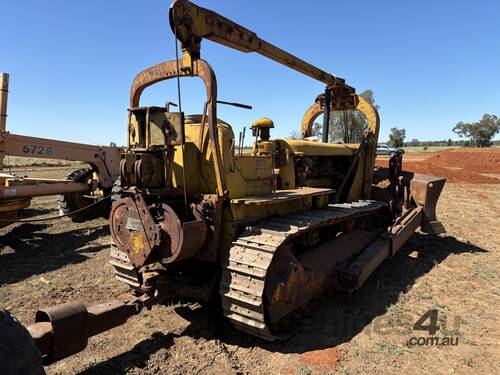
(461, 165)
(367, 332)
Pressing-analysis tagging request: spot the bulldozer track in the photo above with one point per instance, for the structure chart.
(245, 270)
(123, 267)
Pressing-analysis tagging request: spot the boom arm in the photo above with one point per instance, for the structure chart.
(191, 23)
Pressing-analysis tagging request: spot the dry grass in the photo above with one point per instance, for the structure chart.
(19, 161)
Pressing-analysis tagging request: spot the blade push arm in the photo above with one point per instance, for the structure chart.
(191, 23)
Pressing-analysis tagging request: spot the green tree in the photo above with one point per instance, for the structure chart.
(479, 133)
(295, 135)
(348, 126)
(414, 142)
(449, 142)
(397, 137)
(317, 130)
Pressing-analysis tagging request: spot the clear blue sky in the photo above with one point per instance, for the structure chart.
(430, 63)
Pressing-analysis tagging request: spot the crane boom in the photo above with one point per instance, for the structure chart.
(191, 23)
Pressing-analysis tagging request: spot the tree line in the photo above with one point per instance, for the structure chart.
(445, 142)
(347, 127)
(473, 134)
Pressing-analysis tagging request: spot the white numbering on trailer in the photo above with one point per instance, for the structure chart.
(38, 149)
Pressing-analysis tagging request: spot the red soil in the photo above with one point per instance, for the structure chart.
(465, 165)
(322, 360)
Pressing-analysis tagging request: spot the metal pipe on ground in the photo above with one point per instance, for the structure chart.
(63, 330)
(41, 189)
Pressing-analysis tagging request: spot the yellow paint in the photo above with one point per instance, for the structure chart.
(137, 241)
(263, 122)
(244, 175)
(311, 148)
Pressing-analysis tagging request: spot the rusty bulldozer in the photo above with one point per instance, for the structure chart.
(261, 234)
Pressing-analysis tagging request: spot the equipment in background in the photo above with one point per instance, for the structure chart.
(82, 188)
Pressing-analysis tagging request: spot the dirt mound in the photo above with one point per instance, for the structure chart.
(465, 165)
(478, 160)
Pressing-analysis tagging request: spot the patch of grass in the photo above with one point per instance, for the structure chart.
(391, 349)
(487, 273)
(344, 371)
(20, 161)
(469, 362)
(395, 308)
(429, 148)
(304, 370)
(425, 296)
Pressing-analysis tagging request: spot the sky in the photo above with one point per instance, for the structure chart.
(430, 63)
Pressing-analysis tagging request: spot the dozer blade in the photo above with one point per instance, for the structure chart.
(426, 190)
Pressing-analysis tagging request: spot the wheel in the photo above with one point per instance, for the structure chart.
(18, 352)
(70, 202)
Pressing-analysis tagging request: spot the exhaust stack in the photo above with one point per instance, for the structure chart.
(4, 93)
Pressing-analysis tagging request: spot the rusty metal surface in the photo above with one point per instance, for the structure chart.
(188, 68)
(108, 315)
(136, 232)
(404, 190)
(133, 228)
(68, 326)
(186, 239)
(251, 273)
(212, 207)
(426, 190)
(404, 227)
(353, 275)
(42, 335)
(4, 95)
(124, 269)
(10, 206)
(40, 188)
(63, 330)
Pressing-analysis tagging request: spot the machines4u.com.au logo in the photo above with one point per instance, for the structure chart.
(429, 322)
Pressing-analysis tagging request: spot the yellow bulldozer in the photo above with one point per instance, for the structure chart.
(262, 234)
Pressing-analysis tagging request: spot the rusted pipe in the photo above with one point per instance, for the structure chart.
(41, 189)
(63, 330)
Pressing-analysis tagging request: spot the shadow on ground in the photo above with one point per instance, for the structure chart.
(333, 320)
(27, 250)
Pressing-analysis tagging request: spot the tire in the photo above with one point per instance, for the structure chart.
(70, 202)
(18, 352)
